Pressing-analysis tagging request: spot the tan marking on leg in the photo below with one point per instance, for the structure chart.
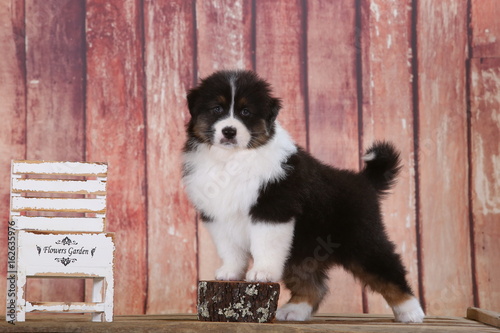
(391, 292)
(305, 290)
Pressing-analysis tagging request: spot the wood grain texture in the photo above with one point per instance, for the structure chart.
(485, 28)
(12, 109)
(333, 114)
(116, 134)
(224, 42)
(484, 316)
(280, 59)
(388, 115)
(55, 101)
(485, 157)
(172, 248)
(443, 156)
(349, 323)
(55, 92)
(224, 35)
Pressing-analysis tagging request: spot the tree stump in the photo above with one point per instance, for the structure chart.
(237, 301)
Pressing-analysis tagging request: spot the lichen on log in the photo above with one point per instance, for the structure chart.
(237, 301)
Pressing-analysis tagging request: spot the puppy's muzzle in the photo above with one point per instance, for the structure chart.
(229, 134)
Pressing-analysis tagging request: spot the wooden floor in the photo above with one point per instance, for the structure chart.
(189, 323)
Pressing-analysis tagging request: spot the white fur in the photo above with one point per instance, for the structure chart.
(232, 82)
(270, 245)
(224, 184)
(232, 243)
(369, 157)
(294, 312)
(409, 311)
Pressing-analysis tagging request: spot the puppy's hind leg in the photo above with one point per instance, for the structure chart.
(308, 287)
(385, 274)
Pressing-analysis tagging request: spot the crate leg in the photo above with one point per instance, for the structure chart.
(21, 297)
(97, 296)
(108, 298)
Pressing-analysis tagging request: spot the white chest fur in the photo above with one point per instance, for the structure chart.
(225, 183)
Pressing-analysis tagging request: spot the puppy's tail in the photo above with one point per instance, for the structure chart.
(382, 165)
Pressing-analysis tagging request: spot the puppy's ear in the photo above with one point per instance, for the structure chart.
(192, 98)
(275, 107)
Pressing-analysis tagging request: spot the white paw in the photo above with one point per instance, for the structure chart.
(226, 273)
(409, 311)
(294, 312)
(262, 275)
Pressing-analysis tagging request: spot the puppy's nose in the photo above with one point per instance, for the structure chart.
(229, 132)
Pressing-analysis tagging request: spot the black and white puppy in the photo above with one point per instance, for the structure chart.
(263, 197)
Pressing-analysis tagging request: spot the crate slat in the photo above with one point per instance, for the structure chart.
(97, 205)
(59, 223)
(59, 168)
(59, 186)
(65, 254)
(66, 307)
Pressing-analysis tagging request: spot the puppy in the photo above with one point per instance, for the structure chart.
(264, 198)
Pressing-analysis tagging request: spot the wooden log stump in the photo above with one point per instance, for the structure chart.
(237, 301)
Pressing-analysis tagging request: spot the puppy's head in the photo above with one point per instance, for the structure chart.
(232, 109)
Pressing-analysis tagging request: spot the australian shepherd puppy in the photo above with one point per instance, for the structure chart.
(264, 198)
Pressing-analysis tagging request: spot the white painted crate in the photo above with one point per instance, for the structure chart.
(71, 246)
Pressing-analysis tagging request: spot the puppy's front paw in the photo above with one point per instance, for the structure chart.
(294, 312)
(226, 273)
(263, 275)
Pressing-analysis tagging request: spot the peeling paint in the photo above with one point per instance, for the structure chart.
(487, 192)
(375, 9)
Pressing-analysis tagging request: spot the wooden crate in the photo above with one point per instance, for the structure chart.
(56, 230)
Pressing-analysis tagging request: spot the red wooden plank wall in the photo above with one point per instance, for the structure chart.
(106, 81)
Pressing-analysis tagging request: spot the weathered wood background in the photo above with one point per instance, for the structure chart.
(105, 80)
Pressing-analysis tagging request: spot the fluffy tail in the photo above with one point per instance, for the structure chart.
(382, 165)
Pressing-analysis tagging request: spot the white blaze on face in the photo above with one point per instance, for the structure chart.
(242, 137)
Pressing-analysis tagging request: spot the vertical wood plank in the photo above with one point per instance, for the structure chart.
(12, 109)
(388, 115)
(280, 58)
(55, 56)
(333, 114)
(485, 28)
(115, 134)
(485, 153)
(172, 248)
(224, 37)
(55, 103)
(443, 156)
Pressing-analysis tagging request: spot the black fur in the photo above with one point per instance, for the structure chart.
(339, 208)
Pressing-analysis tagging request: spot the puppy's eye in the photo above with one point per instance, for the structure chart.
(245, 112)
(217, 110)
